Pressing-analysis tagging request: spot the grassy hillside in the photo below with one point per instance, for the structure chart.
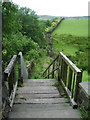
(69, 44)
(77, 27)
(71, 38)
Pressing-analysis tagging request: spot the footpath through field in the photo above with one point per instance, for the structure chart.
(39, 98)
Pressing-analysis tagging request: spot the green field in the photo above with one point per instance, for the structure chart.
(77, 27)
(71, 38)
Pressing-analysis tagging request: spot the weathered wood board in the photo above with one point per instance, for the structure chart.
(37, 99)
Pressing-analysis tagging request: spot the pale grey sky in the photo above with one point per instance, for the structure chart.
(56, 7)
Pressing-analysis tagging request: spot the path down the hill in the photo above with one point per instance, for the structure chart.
(39, 98)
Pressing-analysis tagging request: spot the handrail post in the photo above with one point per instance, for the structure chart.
(5, 79)
(73, 85)
(20, 79)
(78, 80)
(62, 61)
(23, 73)
(69, 78)
(59, 68)
(14, 75)
(65, 75)
(10, 82)
(5, 96)
(53, 70)
(48, 73)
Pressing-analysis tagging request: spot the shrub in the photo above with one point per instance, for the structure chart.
(16, 43)
(32, 55)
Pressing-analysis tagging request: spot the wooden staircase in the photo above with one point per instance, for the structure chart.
(39, 98)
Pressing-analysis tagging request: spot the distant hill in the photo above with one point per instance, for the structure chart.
(49, 17)
(78, 17)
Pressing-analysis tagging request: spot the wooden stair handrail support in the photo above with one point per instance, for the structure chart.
(78, 76)
(52, 63)
(69, 75)
(9, 73)
(19, 68)
(78, 80)
(11, 77)
(9, 86)
(23, 73)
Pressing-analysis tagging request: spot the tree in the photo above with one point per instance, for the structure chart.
(11, 22)
(30, 25)
(48, 23)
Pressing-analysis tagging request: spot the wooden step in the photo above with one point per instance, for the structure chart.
(38, 90)
(43, 111)
(38, 98)
(41, 101)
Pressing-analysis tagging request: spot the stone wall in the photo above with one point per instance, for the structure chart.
(84, 95)
(50, 32)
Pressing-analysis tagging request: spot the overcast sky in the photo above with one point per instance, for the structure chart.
(56, 7)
